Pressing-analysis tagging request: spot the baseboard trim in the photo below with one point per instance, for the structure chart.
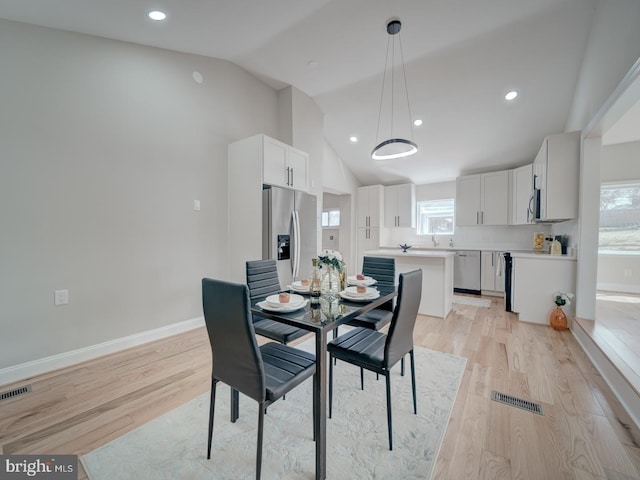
(40, 366)
(620, 387)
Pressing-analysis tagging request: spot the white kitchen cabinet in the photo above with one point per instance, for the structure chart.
(400, 206)
(368, 239)
(370, 206)
(492, 273)
(521, 191)
(283, 165)
(536, 278)
(483, 199)
(556, 171)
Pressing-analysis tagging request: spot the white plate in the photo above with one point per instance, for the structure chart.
(353, 280)
(284, 307)
(353, 292)
(360, 298)
(298, 287)
(294, 300)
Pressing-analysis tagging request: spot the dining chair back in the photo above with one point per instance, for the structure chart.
(378, 352)
(262, 280)
(383, 270)
(264, 373)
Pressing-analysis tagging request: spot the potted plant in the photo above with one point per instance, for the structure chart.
(558, 319)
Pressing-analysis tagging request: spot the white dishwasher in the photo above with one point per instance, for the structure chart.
(466, 271)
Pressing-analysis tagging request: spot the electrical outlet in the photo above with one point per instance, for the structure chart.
(196, 205)
(61, 297)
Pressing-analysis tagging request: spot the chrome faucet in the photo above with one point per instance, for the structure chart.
(451, 242)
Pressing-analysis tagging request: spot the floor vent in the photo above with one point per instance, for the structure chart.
(517, 402)
(14, 393)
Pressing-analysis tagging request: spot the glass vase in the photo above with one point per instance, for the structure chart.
(330, 286)
(558, 319)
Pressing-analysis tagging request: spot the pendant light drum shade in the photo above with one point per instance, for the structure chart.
(394, 146)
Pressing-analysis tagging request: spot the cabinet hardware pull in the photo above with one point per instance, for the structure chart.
(292, 182)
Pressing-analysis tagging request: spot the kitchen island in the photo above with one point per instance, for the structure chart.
(437, 276)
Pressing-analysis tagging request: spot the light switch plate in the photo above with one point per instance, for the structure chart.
(196, 205)
(61, 297)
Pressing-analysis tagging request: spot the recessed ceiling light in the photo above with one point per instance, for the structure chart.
(353, 139)
(417, 122)
(157, 15)
(511, 95)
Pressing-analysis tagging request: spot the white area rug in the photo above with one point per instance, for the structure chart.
(174, 446)
(474, 302)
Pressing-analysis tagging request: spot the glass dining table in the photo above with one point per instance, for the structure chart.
(321, 318)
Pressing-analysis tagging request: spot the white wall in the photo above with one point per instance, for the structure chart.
(620, 162)
(612, 50)
(105, 146)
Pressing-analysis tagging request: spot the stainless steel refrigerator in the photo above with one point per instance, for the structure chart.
(289, 231)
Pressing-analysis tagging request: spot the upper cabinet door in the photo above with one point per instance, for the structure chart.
(369, 206)
(468, 192)
(297, 164)
(274, 162)
(521, 195)
(283, 165)
(495, 198)
(400, 206)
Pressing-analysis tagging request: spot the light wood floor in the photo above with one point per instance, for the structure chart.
(584, 433)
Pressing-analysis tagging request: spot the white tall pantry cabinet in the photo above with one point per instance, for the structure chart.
(370, 214)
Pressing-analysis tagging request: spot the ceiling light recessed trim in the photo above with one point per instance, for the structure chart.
(511, 95)
(157, 15)
(417, 122)
(353, 139)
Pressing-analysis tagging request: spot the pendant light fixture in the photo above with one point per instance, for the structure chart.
(395, 146)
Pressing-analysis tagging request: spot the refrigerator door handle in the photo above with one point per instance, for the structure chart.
(296, 243)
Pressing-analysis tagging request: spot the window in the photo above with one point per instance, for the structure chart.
(331, 218)
(620, 217)
(436, 217)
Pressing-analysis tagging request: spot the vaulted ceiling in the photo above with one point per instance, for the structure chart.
(461, 57)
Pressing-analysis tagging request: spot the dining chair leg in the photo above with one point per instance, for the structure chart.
(212, 405)
(330, 384)
(261, 413)
(413, 382)
(389, 423)
(361, 378)
(402, 367)
(235, 405)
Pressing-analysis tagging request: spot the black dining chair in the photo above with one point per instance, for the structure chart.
(263, 373)
(262, 280)
(379, 352)
(383, 270)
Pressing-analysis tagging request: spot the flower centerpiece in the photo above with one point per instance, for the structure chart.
(333, 270)
(558, 319)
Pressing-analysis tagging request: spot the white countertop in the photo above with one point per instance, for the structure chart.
(542, 256)
(411, 253)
